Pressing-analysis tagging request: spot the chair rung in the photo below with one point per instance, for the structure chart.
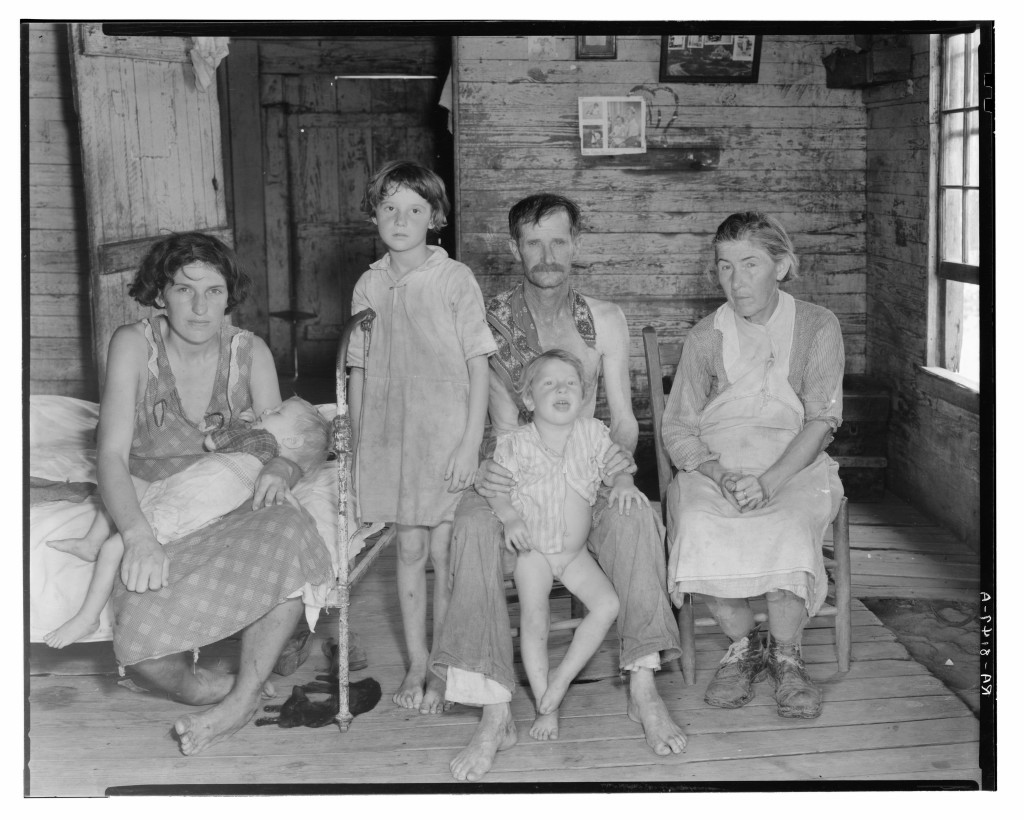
(759, 618)
(557, 626)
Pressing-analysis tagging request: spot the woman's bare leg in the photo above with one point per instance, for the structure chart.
(413, 549)
(262, 643)
(440, 542)
(87, 619)
(733, 615)
(533, 585)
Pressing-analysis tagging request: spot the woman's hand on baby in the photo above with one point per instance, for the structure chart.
(462, 467)
(517, 535)
(625, 494)
(492, 479)
(145, 565)
(273, 486)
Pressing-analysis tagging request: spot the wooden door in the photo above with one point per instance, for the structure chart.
(337, 132)
(151, 158)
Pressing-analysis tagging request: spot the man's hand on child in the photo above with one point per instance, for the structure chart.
(625, 494)
(618, 460)
(492, 479)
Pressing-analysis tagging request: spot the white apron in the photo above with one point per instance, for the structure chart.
(716, 550)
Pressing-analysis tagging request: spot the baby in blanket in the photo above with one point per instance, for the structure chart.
(190, 499)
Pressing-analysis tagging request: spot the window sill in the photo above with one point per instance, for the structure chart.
(952, 387)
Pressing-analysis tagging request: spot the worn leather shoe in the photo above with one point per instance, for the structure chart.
(795, 693)
(295, 651)
(743, 664)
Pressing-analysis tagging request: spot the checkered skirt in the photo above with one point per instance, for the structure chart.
(222, 578)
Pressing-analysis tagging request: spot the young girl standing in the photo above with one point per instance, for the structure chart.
(424, 390)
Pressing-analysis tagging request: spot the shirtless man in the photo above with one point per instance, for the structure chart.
(474, 651)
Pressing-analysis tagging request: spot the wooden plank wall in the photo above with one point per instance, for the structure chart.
(60, 335)
(787, 145)
(934, 457)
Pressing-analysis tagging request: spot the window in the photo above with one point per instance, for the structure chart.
(957, 267)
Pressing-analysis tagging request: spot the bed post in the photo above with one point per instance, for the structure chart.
(343, 451)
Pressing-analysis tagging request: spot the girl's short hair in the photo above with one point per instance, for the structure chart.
(169, 255)
(415, 177)
(556, 353)
(762, 230)
(534, 208)
(316, 435)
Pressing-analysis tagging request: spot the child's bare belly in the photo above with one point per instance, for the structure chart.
(577, 527)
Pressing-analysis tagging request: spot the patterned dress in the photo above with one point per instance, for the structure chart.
(230, 573)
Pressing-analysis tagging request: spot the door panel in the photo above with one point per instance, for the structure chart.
(338, 134)
(151, 157)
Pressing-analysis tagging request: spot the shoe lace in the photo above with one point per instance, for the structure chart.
(738, 653)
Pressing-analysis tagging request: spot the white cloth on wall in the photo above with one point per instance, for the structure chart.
(206, 54)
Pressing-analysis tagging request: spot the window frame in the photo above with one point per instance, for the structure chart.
(948, 278)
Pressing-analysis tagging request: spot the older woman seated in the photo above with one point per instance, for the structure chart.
(756, 399)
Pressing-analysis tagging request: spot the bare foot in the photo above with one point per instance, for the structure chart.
(648, 709)
(410, 693)
(495, 733)
(552, 697)
(545, 727)
(70, 631)
(433, 698)
(198, 731)
(79, 547)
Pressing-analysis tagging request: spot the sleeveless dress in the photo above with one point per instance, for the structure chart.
(230, 573)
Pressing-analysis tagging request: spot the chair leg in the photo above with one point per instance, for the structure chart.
(841, 540)
(688, 659)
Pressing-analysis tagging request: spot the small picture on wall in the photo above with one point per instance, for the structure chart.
(710, 58)
(595, 48)
(613, 125)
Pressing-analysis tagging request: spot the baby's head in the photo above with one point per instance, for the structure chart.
(303, 435)
(414, 177)
(553, 387)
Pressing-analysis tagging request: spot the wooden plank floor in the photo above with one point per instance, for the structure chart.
(888, 718)
(896, 552)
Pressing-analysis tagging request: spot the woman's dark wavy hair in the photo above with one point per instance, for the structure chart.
(170, 254)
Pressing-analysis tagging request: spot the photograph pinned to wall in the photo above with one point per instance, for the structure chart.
(613, 125)
(710, 58)
(595, 48)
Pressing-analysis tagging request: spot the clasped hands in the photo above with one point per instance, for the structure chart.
(744, 492)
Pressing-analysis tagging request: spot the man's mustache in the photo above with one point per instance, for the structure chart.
(545, 268)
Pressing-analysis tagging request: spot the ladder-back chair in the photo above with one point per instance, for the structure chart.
(837, 564)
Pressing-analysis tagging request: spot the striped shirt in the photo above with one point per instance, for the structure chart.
(816, 365)
(543, 476)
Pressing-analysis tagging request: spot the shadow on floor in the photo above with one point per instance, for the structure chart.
(943, 636)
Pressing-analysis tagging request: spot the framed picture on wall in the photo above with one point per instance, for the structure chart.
(710, 58)
(613, 125)
(595, 48)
